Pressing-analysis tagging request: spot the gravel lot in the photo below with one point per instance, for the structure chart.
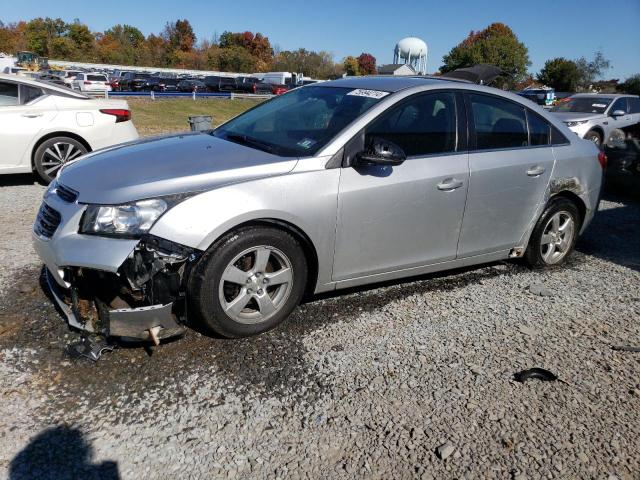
(376, 383)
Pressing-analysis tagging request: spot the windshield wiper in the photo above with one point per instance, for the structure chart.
(250, 141)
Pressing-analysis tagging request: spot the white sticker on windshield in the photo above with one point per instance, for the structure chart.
(361, 92)
(599, 105)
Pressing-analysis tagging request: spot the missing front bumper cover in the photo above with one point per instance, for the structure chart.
(145, 300)
(132, 323)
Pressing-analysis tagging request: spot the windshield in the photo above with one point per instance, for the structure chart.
(583, 105)
(300, 122)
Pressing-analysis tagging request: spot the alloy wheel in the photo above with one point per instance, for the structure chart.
(557, 237)
(256, 284)
(57, 155)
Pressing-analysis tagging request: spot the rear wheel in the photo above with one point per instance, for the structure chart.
(248, 282)
(54, 153)
(555, 234)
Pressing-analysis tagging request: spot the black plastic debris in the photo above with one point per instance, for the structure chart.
(482, 74)
(625, 348)
(535, 373)
(89, 348)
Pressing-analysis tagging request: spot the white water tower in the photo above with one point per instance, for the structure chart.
(411, 51)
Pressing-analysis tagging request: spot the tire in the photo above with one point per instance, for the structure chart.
(595, 137)
(552, 240)
(251, 302)
(55, 152)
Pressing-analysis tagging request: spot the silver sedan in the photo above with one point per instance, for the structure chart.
(332, 185)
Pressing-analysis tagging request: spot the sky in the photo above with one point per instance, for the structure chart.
(560, 28)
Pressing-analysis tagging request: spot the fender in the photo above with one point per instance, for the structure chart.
(200, 220)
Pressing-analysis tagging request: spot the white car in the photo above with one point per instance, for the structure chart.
(43, 126)
(91, 82)
(69, 77)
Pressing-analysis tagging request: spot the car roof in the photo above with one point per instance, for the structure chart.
(388, 83)
(602, 95)
(52, 87)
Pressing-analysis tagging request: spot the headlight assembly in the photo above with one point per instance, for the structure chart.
(576, 123)
(130, 220)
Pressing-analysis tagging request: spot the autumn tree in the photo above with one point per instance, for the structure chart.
(350, 66)
(179, 35)
(366, 64)
(561, 74)
(496, 45)
(40, 32)
(309, 63)
(12, 38)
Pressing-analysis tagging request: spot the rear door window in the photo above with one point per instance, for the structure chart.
(498, 123)
(539, 129)
(29, 93)
(422, 125)
(8, 94)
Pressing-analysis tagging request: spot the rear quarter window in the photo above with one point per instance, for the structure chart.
(8, 94)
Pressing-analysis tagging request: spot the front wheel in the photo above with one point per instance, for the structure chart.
(555, 234)
(248, 282)
(595, 137)
(54, 153)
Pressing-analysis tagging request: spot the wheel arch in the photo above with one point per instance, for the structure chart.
(51, 135)
(600, 130)
(308, 247)
(574, 198)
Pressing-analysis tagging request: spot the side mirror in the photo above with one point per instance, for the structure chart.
(618, 113)
(381, 152)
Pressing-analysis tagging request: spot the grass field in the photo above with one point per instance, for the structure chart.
(153, 117)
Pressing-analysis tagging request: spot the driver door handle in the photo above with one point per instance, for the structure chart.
(449, 184)
(32, 115)
(535, 171)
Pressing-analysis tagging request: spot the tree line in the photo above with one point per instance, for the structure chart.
(176, 46)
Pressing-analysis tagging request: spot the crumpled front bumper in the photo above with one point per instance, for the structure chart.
(109, 286)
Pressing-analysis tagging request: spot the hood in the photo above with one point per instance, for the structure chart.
(575, 116)
(168, 165)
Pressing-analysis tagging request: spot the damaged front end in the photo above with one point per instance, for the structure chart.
(144, 300)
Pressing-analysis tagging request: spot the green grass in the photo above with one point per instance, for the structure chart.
(153, 117)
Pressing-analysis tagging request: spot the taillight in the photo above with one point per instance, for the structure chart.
(602, 158)
(121, 114)
(254, 88)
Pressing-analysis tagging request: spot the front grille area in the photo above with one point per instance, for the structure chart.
(47, 221)
(67, 194)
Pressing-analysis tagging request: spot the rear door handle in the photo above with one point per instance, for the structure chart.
(32, 115)
(449, 184)
(535, 171)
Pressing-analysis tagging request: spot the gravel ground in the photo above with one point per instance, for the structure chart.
(404, 380)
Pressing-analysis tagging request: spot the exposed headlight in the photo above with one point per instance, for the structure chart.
(130, 220)
(576, 123)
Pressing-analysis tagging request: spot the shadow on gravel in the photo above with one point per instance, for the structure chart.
(60, 453)
(614, 234)
(19, 179)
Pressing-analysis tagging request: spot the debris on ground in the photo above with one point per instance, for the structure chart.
(535, 373)
(540, 290)
(445, 450)
(625, 348)
(91, 348)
